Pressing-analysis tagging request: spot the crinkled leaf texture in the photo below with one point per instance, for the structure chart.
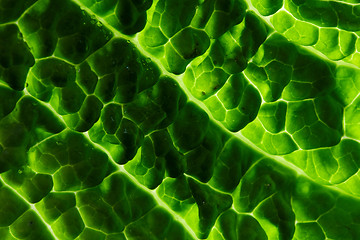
(169, 119)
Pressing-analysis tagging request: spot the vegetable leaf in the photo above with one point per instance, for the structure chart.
(165, 119)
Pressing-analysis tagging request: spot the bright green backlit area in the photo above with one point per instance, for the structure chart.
(166, 119)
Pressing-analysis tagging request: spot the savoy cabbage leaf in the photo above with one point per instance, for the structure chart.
(169, 119)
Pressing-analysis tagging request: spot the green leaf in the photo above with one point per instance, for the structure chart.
(165, 119)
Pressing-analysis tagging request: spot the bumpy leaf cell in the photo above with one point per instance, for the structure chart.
(15, 58)
(164, 119)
